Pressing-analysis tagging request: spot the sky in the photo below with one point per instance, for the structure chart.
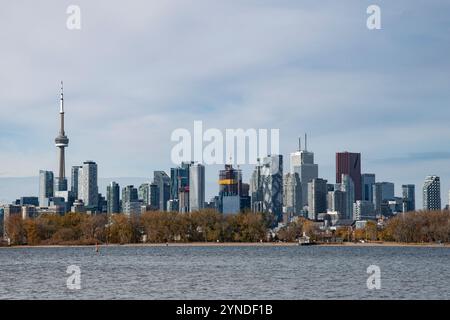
(138, 70)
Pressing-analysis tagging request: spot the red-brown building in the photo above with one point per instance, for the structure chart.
(349, 163)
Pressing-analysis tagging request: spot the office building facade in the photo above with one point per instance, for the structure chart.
(317, 203)
(349, 163)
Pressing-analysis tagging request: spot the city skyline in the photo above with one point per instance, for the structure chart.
(347, 166)
(141, 102)
(271, 189)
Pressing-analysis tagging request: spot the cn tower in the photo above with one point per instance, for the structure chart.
(61, 142)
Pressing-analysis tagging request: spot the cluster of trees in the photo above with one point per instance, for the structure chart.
(153, 227)
(210, 226)
(410, 227)
(420, 226)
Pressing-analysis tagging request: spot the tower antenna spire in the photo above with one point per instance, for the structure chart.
(299, 143)
(61, 104)
(306, 142)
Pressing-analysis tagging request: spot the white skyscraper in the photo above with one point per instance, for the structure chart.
(88, 184)
(196, 187)
(302, 162)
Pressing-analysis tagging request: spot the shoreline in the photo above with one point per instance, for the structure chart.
(240, 244)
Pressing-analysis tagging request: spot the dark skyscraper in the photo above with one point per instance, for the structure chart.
(162, 180)
(409, 197)
(367, 182)
(74, 180)
(350, 164)
(61, 142)
(45, 187)
(113, 198)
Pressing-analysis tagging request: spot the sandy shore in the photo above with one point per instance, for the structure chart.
(245, 244)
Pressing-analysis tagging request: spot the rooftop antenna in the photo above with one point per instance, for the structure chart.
(299, 143)
(306, 142)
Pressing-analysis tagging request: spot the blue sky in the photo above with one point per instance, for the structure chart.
(136, 72)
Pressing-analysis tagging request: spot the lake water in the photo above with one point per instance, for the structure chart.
(295, 272)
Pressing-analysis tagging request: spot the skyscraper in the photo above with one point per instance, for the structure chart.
(432, 193)
(337, 201)
(272, 185)
(196, 187)
(363, 209)
(179, 187)
(367, 182)
(154, 196)
(348, 187)
(350, 164)
(382, 192)
(129, 194)
(317, 193)
(162, 180)
(113, 198)
(144, 193)
(230, 190)
(256, 187)
(88, 185)
(75, 174)
(46, 184)
(408, 197)
(292, 194)
(61, 142)
(302, 162)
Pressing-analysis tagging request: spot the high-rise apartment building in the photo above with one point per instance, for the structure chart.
(196, 187)
(130, 201)
(144, 193)
(88, 185)
(432, 193)
(129, 194)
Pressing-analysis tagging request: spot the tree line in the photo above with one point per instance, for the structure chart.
(152, 227)
(211, 226)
